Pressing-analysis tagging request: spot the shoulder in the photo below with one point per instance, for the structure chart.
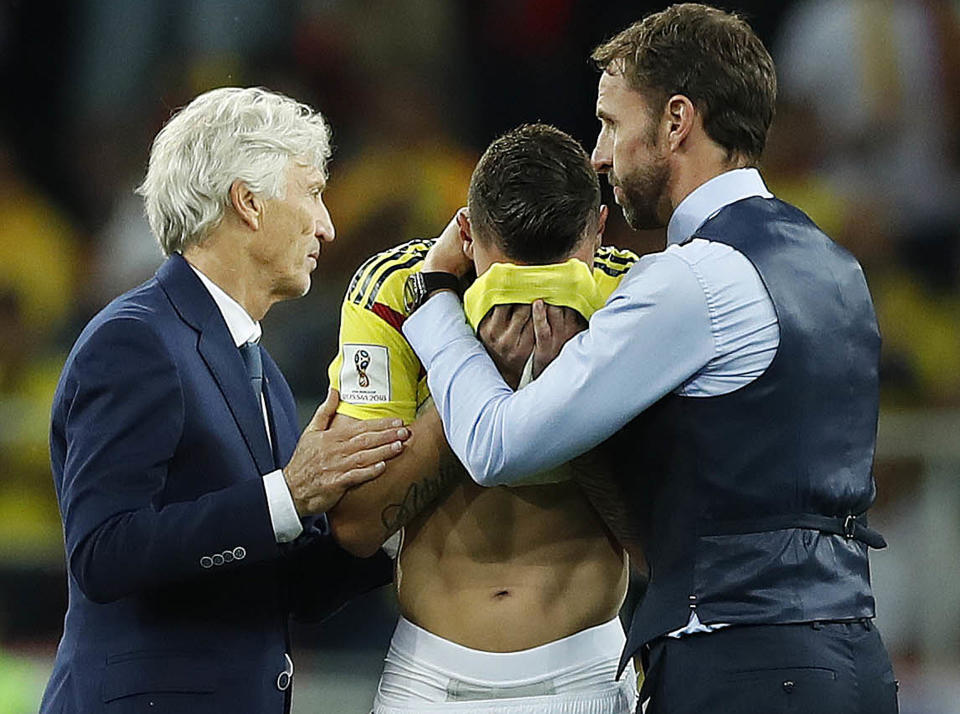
(701, 253)
(610, 265)
(137, 315)
(122, 354)
(614, 261)
(380, 279)
(720, 268)
(132, 333)
(736, 297)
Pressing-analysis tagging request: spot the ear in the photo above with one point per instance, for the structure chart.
(466, 232)
(602, 223)
(680, 115)
(247, 204)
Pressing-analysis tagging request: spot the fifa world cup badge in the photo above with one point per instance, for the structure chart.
(365, 374)
(362, 360)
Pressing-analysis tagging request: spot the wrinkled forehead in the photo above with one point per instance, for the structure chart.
(306, 174)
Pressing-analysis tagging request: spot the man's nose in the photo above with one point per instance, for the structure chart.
(324, 229)
(599, 159)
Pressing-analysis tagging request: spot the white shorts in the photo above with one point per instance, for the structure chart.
(576, 675)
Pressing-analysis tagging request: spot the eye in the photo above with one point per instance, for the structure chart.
(316, 192)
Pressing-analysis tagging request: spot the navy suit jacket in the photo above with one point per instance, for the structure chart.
(179, 595)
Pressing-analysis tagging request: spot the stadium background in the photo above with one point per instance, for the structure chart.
(867, 140)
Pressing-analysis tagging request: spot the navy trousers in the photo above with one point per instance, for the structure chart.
(809, 668)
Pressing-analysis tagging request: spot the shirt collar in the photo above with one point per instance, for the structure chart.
(710, 197)
(243, 328)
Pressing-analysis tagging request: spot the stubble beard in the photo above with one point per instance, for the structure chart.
(644, 191)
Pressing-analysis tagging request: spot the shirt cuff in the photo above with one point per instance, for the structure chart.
(434, 325)
(283, 514)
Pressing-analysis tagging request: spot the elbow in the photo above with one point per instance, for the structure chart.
(487, 473)
(352, 536)
(103, 571)
(96, 585)
(100, 595)
(488, 479)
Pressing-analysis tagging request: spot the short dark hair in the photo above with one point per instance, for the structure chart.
(534, 192)
(711, 57)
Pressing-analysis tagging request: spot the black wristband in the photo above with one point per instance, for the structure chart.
(420, 286)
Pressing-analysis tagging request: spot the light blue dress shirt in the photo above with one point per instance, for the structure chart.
(694, 319)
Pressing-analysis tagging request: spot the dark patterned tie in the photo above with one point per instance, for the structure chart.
(250, 351)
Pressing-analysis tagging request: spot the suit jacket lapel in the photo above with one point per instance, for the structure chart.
(226, 365)
(221, 356)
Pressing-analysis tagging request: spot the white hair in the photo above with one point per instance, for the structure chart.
(224, 135)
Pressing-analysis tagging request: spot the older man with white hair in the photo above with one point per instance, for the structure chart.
(193, 517)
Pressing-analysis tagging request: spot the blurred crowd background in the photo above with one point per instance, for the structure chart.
(866, 140)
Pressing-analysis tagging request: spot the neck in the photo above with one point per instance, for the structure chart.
(226, 270)
(695, 168)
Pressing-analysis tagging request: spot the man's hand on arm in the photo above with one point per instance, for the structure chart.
(331, 458)
(370, 513)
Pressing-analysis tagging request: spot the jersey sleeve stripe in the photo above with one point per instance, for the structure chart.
(619, 259)
(371, 295)
(609, 270)
(361, 272)
(363, 277)
(614, 261)
(389, 315)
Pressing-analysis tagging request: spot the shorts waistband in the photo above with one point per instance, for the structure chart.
(581, 649)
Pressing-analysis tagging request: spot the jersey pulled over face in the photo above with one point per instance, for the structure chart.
(529, 564)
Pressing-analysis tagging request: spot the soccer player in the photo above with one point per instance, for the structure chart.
(509, 596)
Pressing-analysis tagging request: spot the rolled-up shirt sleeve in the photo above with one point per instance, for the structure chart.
(653, 334)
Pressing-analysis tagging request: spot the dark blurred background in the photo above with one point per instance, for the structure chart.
(866, 140)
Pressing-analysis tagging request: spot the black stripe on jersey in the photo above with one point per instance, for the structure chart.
(372, 296)
(614, 258)
(610, 270)
(373, 264)
(361, 271)
(610, 260)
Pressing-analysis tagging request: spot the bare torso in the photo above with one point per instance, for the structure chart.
(505, 569)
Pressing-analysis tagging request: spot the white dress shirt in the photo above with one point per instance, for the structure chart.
(243, 329)
(694, 319)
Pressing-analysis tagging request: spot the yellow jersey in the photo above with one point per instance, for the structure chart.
(377, 372)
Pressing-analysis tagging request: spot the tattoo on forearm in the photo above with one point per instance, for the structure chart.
(418, 496)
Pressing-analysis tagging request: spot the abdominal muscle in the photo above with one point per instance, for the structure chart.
(506, 569)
